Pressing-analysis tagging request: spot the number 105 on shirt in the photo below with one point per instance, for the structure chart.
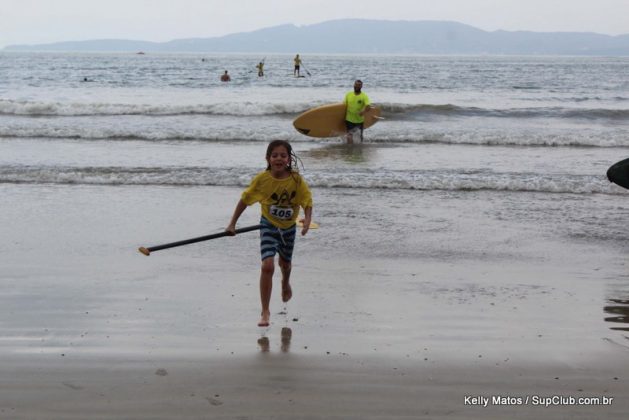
(283, 213)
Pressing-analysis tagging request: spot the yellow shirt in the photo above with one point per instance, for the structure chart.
(355, 104)
(279, 199)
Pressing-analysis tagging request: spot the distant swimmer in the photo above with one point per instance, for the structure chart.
(225, 77)
(297, 61)
(356, 102)
(260, 67)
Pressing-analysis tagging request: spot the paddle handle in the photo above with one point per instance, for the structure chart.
(147, 251)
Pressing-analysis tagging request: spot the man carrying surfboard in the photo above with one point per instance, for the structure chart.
(356, 103)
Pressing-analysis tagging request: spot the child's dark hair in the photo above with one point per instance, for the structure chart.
(293, 159)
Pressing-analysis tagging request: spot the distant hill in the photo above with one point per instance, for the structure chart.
(369, 36)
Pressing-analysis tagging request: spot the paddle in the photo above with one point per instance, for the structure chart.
(307, 72)
(147, 251)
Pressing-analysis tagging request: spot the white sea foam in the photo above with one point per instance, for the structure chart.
(240, 108)
(351, 179)
(226, 129)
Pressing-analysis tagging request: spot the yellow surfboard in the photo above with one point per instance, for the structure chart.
(329, 120)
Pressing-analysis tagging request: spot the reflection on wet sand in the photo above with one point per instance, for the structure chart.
(286, 335)
(352, 153)
(264, 344)
(620, 310)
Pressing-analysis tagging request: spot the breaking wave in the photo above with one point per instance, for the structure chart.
(252, 108)
(354, 179)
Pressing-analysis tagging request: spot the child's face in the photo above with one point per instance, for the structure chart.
(279, 159)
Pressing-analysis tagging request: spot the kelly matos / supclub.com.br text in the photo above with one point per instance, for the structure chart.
(535, 400)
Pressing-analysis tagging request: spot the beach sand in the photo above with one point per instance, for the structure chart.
(288, 386)
(400, 310)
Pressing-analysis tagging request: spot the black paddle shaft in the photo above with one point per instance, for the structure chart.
(147, 251)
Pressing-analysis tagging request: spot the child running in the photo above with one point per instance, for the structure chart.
(280, 190)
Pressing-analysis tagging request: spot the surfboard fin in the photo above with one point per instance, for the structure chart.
(303, 131)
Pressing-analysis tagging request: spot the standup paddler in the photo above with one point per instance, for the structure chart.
(356, 104)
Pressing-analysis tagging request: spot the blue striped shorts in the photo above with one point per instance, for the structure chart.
(274, 240)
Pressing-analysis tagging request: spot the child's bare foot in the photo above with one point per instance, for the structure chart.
(264, 321)
(287, 292)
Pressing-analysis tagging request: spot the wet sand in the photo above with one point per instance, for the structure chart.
(284, 385)
(469, 303)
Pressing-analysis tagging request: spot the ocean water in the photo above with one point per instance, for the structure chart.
(546, 124)
(474, 154)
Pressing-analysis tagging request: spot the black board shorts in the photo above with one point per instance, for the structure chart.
(352, 126)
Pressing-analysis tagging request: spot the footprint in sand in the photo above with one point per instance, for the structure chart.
(72, 386)
(214, 401)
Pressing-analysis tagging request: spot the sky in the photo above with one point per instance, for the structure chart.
(45, 21)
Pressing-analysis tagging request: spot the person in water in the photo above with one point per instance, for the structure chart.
(260, 68)
(297, 61)
(356, 104)
(281, 191)
(225, 77)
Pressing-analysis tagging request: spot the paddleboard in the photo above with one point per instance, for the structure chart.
(618, 173)
(329, 120)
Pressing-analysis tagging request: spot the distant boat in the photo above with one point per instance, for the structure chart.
(140, 53)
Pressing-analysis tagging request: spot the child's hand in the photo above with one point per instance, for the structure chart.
(305, 226)
(231, 230)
